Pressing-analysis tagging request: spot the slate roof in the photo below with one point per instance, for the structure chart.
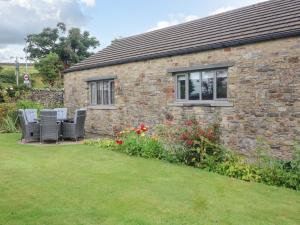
(260, 22)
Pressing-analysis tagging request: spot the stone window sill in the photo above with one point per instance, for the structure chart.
(102, 107)
(202, 104)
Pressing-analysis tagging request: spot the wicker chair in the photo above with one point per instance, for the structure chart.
(30, 131)
(61, 113)
(31, 115)
(75, 129)
(49, 127)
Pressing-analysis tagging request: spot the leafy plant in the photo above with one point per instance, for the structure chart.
(13, 93)
(26, 104)
(50, 68)
(9, 125)
(9, 122)
(7, 76)
(137, 142)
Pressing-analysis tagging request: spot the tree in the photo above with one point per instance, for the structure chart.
(50, 67)
(71, 47)
(40, 45)
(75, 46)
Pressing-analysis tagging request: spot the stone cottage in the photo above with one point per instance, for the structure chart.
(240, 69)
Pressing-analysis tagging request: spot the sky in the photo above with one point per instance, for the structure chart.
(104, 19)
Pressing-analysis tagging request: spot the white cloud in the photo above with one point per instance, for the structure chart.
(8, 51)
(21, 17)
(222, 9)
(173, 20)
(89, 3)
(228, 8)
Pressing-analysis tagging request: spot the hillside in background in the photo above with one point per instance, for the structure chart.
(7, 75)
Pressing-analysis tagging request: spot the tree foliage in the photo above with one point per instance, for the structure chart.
(71, 46)
(50, 67)
(7, 75)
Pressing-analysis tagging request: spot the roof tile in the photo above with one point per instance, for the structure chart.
(260, 22)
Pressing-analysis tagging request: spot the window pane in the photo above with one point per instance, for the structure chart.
(181, 87)
(93, 93)
(99, 92)
(221, 84)
(208, 85)
(112, 92)
(105, 92)
(194, 86)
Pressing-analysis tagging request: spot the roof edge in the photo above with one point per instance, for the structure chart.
(233, 43)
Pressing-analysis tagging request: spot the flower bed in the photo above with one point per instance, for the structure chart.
(195, 144)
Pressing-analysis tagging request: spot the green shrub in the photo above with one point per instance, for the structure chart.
(9, 122)
(9, 125)
(198, 142)
(278, 172)
(14, 93)
(26, 104)
(2, 93)
(136, 142)
(7, 76)
(8, 117)
(199, 148)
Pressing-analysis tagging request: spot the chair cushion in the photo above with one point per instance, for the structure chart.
(61, 113)
(31, 115)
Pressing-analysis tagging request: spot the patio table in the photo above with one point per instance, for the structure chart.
(60, 128)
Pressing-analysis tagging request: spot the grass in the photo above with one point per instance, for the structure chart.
(38, 81)
(79, 184)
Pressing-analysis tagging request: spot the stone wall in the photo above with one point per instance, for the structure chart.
(264, 89)
(49, 98)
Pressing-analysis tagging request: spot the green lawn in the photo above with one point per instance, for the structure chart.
(84, 185)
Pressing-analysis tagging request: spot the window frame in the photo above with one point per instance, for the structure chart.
(100, 83)
(187, 80)
(176, 87)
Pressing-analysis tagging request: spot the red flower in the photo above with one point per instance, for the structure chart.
(143, 127)
(119, 142)
(189, 143)
(188, 122)
(210, 134)
(184, 137)
(201, 132)
(138, 131)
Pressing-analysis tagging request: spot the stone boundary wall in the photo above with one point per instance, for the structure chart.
(49, 98)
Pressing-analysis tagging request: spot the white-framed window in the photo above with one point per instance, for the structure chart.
(202, 85)
(102, 92)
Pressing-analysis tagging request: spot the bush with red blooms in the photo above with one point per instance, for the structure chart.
(198, 141)
(137, 141)
(140, 130)
(193, 134)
